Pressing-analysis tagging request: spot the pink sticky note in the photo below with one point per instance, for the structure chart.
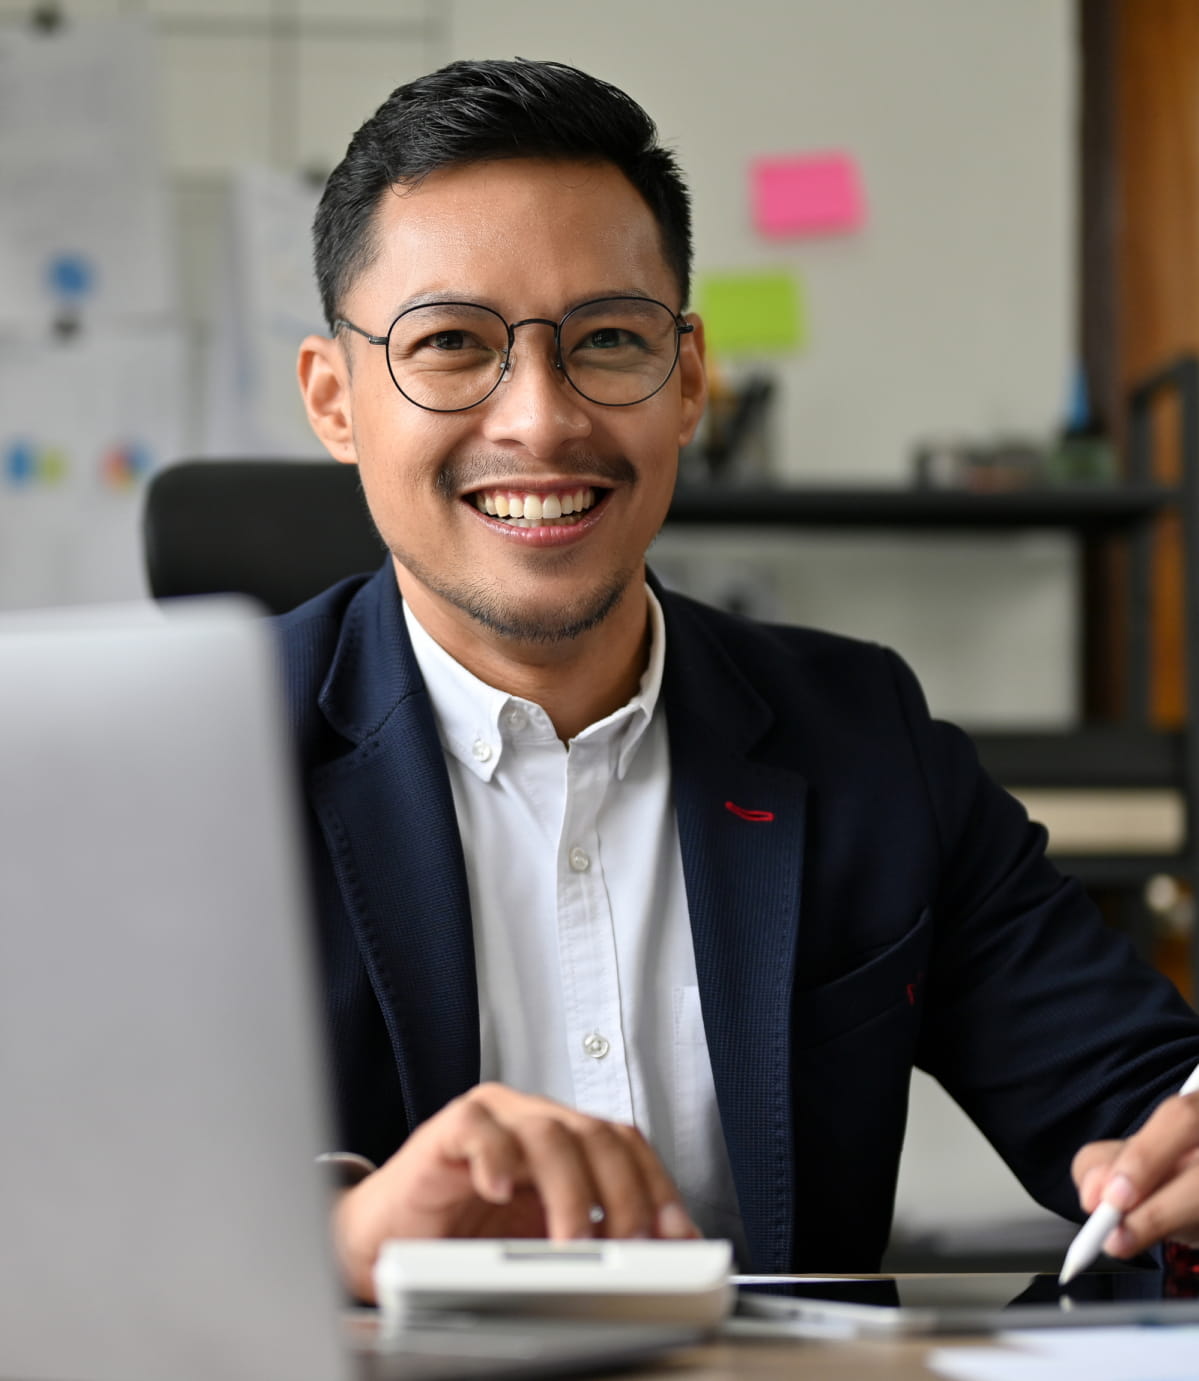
(810, 194)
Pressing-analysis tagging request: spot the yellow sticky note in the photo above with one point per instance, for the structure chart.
(752, 313)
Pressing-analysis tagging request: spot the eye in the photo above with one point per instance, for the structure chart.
(443, 347)
(449, 340)
(446, 335)
(610, 338)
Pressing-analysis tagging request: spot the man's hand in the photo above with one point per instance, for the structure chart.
(497, 1163)
(1152, 1177)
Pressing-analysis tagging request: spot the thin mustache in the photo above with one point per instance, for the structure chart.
(466, 473)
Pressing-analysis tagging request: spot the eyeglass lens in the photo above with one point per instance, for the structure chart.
(451, 355)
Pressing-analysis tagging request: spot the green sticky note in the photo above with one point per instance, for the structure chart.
(752, 313)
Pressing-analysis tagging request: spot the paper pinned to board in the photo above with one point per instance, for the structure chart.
(752, 313)
(84, 219)
(807, 194)
(83, 423)
(269, 304)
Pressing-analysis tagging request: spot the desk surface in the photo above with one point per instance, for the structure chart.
(799, 1359)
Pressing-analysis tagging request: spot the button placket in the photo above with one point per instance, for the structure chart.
(591, 980)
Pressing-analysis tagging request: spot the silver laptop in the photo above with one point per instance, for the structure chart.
(161, 1215)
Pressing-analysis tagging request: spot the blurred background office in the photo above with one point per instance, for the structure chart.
(937, 242)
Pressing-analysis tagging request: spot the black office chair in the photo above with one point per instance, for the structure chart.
(277, 530)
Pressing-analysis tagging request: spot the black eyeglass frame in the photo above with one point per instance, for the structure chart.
(682, 327)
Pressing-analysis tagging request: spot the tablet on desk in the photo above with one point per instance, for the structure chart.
(964, 1303)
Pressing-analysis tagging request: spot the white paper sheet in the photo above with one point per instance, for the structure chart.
(83, 216)
(83, 422)
(269, 303)
(1098, 1354)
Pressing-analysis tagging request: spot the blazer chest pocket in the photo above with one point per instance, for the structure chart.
(889, 980)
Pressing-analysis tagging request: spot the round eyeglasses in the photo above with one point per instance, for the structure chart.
(450, 356)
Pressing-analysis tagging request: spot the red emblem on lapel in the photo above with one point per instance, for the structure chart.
(743, 814)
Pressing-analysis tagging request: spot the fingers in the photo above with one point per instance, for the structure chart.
(668, 1216)
(440, 1183)
(555, 1167)
(578, 1164)
(1091, 1168)
(621, 1205)
(1151, 1156)
(1153, 1178)
(498, 1163)
(467, 1132)
(1173, 1211)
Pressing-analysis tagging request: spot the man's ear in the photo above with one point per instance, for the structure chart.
(324, 375)
(693, 379)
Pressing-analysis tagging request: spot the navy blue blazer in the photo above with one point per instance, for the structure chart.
(863, 899)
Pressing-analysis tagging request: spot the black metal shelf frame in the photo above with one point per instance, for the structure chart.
(1181, 379)
(1130, 753)
(1091, 509)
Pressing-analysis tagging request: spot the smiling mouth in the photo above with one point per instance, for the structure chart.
(520, 508)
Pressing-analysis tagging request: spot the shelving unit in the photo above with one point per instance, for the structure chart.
(1130, 753)
(1092, 509)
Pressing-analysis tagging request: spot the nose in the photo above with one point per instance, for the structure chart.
(534, 406)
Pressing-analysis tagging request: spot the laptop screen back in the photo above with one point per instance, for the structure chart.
(160, 1212)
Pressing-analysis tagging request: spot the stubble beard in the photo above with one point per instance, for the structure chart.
(488, 606)
(485, 601)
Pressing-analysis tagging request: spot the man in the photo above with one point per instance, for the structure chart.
(622, 858)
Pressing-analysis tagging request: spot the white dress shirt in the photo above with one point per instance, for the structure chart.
(586, 968)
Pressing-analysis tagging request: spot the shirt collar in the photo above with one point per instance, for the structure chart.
(470, 714)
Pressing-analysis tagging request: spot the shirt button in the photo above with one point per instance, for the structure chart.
(579, 860)
(515, 720)
(595, 1045)
(481, 750)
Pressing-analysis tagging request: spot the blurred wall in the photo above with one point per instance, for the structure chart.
(949, 314)
(952, 312)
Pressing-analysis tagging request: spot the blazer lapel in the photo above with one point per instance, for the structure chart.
(387, 813)
(741, 832)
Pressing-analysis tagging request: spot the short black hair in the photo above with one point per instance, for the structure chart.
(473, 112)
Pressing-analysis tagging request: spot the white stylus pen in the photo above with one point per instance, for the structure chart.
(1094, 1232)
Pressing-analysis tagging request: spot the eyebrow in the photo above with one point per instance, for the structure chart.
(466, 300)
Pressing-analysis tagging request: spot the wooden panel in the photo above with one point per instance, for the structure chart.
(1156, 74)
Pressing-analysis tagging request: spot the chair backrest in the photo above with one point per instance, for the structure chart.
(277, 530)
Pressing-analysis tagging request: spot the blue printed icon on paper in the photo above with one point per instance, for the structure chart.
(70, 277)
(20, 462)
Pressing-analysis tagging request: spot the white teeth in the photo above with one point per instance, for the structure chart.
(531, 510)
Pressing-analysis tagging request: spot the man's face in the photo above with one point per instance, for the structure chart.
(527, 238)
